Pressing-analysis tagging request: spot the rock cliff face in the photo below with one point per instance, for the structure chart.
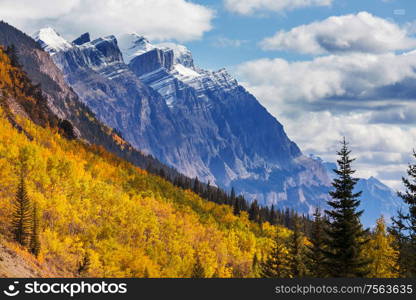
(62, 102)
(201, 122)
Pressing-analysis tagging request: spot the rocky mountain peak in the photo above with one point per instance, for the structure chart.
(132, 45)
(82, 39)
(182, 55)
(51, 41)
(107, 48)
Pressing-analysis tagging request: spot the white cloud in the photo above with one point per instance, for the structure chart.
(321, 100)
(357, 76)
(32, 10)
(246, 7)
(382, 151)
(157, 19)
(224, 42)
(362, 32)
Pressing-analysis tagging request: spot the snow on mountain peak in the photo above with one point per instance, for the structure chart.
(132, 45)
(182, 55)
(51, 41)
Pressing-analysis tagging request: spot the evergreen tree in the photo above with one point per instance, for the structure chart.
(316, 249)
(12, 53)
(198, 270)
(84, 265)
(232, 194)
(255, 266)
(297, 259)
(34, 237)
(197, 186)
(22, 216)
(287, 218)
(404, 225)
(277, 263)
(346, 236)
(272, 216)
(236, 207)
(254, 212)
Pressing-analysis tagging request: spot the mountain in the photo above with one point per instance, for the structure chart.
(60, 105)
(99, 215)
(376, 199)
(29, 100)
(203, 123)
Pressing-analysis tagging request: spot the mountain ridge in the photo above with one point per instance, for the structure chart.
(213, 128)
(161, 94)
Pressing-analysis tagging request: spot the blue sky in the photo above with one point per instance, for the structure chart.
(253, 28)
(324, 68)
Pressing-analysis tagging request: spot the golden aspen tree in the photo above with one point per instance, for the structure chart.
(382, 253)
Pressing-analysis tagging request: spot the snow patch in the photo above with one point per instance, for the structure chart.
(132, 45)
(51, 41)
(185, 72)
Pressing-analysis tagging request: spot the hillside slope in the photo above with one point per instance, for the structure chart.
(128, 222)
(16, 262)
(62, 103)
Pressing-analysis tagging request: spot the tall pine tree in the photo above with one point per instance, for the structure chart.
(404, 225)
(255, 266)
(316, 249)
(346, 237)
(21, 223)
(198, 270)
(34, 245)
(84, 264)
(297, 251)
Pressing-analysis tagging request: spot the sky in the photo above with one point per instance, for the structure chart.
(324, 68)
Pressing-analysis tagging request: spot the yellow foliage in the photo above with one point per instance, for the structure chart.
(382, 253)
(127, 220)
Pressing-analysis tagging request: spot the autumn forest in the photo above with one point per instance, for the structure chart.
(84, 212)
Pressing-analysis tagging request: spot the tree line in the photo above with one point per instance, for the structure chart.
(333, 244)
(339, 246)
(286, 217)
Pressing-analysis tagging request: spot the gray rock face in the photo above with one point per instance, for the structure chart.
(202, 123)
(62, 101)
(84, 38)
(151, 61)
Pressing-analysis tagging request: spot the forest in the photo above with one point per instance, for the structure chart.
(91, 214)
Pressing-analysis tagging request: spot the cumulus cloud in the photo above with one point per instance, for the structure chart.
(361, 32)
(364, 97)
(247, 7)
(157, 19)
(398, 116)
(346, 77)
(382, 150)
